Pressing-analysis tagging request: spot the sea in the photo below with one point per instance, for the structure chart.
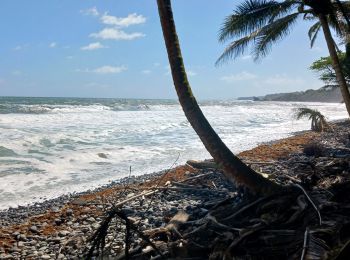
(55, 146)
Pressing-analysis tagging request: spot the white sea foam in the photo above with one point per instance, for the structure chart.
(50, 153)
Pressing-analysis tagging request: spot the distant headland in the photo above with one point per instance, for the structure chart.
(327, 94)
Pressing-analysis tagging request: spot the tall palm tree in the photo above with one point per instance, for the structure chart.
(261, 23)
(233, 167)
(318, 121)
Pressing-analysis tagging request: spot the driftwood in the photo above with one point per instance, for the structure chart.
(311, 222)
(276, 227)
(210, 164)
(206, 164)
(286, 225)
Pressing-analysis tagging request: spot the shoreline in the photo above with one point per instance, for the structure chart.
(59, 228)
(41, 206)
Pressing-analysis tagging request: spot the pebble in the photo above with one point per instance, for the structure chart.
(95, 226)
(63, 233)
(74, 226)
(34, 229)
(91, 219)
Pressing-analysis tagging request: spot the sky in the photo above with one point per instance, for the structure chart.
(115, 49)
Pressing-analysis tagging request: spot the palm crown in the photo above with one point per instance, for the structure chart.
(318, 121)
(261, 23)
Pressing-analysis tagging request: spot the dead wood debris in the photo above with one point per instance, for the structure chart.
(312, 222)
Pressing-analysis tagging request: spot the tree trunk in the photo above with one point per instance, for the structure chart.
(335, 60)
(345, 30)
(233, 167)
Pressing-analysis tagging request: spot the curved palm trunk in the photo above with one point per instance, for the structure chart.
(233, 167)
(345, 29)
(335, 60)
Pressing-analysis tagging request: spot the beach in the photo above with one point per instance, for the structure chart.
(60, 228)
(54, 146)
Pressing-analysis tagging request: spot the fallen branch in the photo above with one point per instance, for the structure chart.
(198, 176)
(306, 235)
(187, 189)
(134, 197)
(312, 203)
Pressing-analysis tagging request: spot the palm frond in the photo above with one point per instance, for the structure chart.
(318, 121)
(305, 112)
(272, 33)
(344, 10)
(236, 48)
(316, 247)
(313, 32)
(334, 23)
(252, 15)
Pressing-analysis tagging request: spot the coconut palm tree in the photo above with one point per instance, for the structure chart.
(261, 23)
(318, 121)
(233, 167)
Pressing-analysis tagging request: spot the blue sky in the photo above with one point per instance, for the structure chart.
(114, 48)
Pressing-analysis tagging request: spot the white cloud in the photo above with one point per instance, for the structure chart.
(18, 48)
(16, 72)
(109, 69)
(2, 81)
(283, 80)
(156, 64)
(242, 76)
(191, 73)
(131, 19)
(91, 11)
(69, 57)
(116, 34)
(52, 44)
(93, 46)
(105, 69)
(146, 72)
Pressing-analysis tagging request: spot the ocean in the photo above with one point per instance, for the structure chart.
(54, 146)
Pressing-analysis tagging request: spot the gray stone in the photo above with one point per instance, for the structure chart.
(91, 219)
(69, 212)
(60, 256)
(22, 238)
(34, 229)
(95, 226)
(79, 202)
(55, 209)
(58, 221)
(63, 233)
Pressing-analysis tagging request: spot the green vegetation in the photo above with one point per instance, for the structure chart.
(318, 121)
(324, 67)
(261, 23)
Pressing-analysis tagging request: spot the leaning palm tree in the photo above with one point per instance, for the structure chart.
(261, 23)
(233, 167)
(318, 121)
